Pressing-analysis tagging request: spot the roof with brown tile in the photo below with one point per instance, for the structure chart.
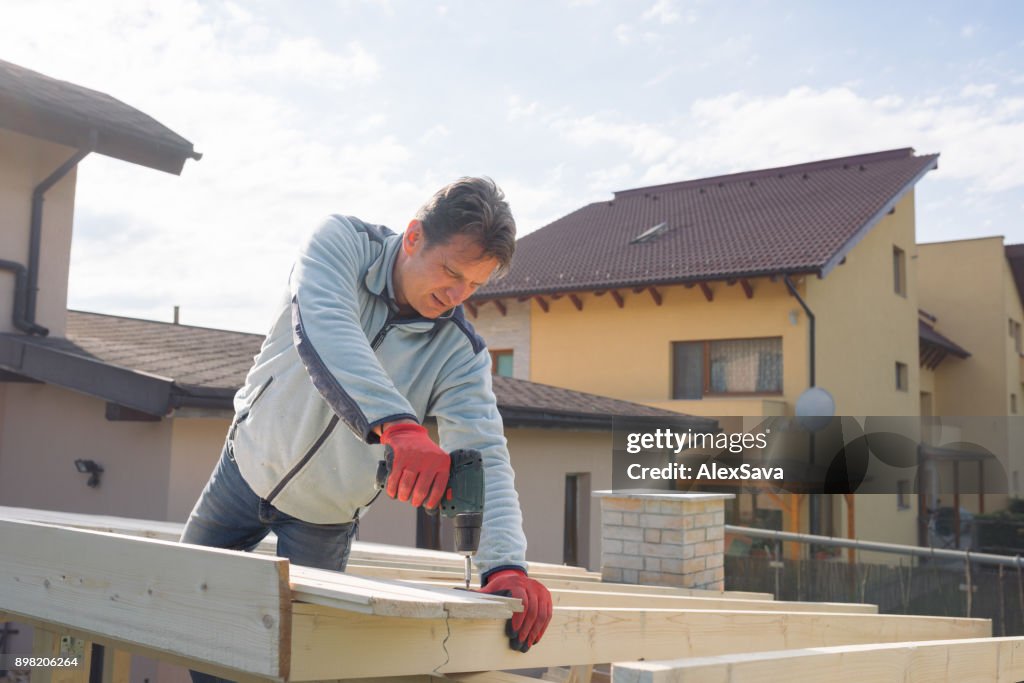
(205, 362)
(34, 104)
(793, 219)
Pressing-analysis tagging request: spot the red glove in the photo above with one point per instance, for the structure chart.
(420, 468)
(525, 628)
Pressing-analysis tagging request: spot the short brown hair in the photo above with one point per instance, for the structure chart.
(475, 207)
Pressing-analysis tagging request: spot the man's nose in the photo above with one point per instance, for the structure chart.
(458, 293)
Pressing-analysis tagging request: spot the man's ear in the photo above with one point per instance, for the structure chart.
(414, 238)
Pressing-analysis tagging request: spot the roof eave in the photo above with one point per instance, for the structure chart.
(137, 390)
(877, 217)
(72, 131)
(623, 284)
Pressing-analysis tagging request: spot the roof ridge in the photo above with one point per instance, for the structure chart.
(870, 157)
(163, 322)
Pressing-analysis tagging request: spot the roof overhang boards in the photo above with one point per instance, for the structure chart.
(656, 292)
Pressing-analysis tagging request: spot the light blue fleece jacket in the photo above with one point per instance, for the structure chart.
(339, 356)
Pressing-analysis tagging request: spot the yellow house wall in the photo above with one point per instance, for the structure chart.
(864, 327)
(24, 163)
(964, 285)
(627, 352)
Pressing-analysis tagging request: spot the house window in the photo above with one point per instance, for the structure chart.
(899, 270)
(902, 381)
(501, 362)
(723, 367)
(903, 494)
(1013, 404)
(1015, 333)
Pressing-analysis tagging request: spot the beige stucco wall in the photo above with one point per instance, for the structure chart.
(508, 331)
(195, 449)
(24, 163)
(46, 428)
(541, 459)
(864, 327)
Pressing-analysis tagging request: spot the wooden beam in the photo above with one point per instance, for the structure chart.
(999, 660)
(394, 598)
(117, 665)
(500, 305)
(618, 298)
(327, 644)
(576, 301)
(471, 307)
(748, 289)
(708, 294)
(655, 294)
(219, 606)
(542, 302)
(562, 597)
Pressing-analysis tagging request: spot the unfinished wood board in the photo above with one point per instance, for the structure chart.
(327, 642)
(218, 606)
(562, 584)
(988, 660)
(393, 598)
(583, 598)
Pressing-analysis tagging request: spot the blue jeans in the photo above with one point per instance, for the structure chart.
(230, 515)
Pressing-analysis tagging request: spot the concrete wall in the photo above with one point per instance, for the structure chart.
(46, 428)
(24, 163)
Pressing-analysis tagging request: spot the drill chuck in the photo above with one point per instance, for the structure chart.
(467, 532)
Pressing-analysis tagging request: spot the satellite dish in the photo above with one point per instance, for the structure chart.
(815, 408)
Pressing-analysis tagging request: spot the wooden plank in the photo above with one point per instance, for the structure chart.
(564, 584)
(989, 660)
(327, 643)
(395, 598)
(583, 598)
(219, 606)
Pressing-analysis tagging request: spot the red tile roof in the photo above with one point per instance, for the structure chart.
(792, 219)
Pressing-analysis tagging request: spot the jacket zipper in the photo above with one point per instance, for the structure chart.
(241, 417)
(305, 458)
(380, 335)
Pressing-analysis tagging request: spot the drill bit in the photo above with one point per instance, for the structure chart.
(469, 570)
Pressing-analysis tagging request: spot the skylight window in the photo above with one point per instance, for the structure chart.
(650, 233)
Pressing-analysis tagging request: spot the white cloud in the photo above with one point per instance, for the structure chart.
(662, 11)
(978, 90)
(968, 31)
(982, 141)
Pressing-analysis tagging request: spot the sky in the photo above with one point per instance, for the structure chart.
(366, 107)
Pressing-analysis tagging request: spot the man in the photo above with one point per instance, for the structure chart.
(371, 336)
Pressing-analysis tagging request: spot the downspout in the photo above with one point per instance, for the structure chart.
(813, 499)
(36, 232)
(20, 290)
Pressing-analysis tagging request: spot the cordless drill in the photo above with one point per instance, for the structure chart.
(463, 500)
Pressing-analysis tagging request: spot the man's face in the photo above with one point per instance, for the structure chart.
(431, 279)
